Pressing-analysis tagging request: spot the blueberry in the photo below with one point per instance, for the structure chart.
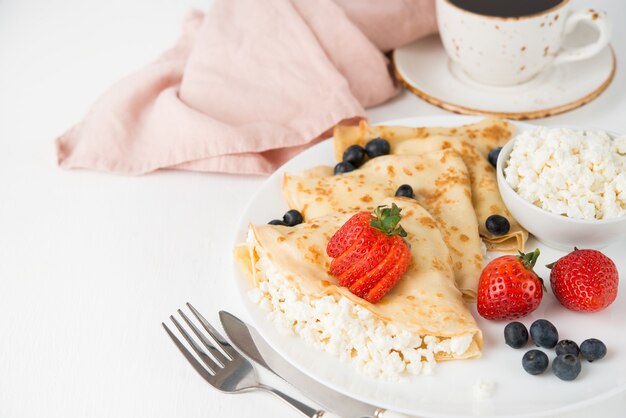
(344, 167)
(276, 222)
(292, 218)
(535, 361)
(355, 155)
(493, 156)
(405, 191)
(515, 334)
(566, 366)
(567, 347)
(377, 147)
(497, 225)
(593, 349)
(543, 333)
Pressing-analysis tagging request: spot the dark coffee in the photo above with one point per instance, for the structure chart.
(506, 8)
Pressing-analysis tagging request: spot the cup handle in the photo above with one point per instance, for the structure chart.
(596, 18)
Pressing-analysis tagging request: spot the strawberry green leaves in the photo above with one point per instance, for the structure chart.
(387, 220)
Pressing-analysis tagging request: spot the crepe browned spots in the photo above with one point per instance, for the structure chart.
(473, 142)
(441, 184)
(425, 302)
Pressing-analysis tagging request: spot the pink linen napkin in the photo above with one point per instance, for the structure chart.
(247, 86)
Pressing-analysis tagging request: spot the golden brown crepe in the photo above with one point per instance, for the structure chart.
(485, 135)
(424, 302)
(473, 142)
(441, 184)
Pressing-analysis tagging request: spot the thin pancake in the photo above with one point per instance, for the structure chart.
(485, 194)
(473, 142)
(441, 184)
(425, 301)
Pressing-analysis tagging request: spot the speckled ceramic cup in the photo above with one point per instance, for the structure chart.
(511, 50)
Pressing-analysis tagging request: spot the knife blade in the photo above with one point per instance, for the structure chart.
(250, 342)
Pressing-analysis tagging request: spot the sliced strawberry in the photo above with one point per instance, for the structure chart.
(365, 283)
(374, 256)
(399, 262)
(369, 254)
(359, 248)
(347, 234)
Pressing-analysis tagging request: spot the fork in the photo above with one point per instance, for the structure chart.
(228, 371)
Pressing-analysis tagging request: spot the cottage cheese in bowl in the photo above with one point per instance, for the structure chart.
(567, 187)
(576, 173)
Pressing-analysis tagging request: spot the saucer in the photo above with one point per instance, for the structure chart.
(424, 69)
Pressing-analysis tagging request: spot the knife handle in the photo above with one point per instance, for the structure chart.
(380, 413)
(383, 413)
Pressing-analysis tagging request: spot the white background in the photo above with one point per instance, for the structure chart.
(90, 263)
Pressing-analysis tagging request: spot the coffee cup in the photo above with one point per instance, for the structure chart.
(501, 46)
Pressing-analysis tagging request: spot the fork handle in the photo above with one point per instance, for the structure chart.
(299, 406)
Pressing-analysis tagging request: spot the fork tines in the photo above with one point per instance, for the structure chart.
(217, 359)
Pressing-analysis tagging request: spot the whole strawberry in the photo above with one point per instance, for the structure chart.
(509, 288)
(584, 280)
(369, 254)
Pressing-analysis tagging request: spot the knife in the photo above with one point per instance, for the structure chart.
(248, 340)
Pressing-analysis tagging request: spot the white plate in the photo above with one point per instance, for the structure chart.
(448, 392)
(424, 68)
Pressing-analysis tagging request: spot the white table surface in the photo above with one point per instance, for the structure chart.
(90, 264)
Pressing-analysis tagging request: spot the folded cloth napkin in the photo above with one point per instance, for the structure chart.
(247, 86)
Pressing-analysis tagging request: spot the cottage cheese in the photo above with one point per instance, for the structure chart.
(483, 389)
(579, 174)
(348, 331)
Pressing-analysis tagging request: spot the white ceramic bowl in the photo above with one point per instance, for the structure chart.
(554, 230)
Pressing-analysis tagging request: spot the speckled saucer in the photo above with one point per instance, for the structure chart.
(424, 68)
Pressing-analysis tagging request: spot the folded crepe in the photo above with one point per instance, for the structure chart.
(425, 302)
(441, 184)
(473, 142)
